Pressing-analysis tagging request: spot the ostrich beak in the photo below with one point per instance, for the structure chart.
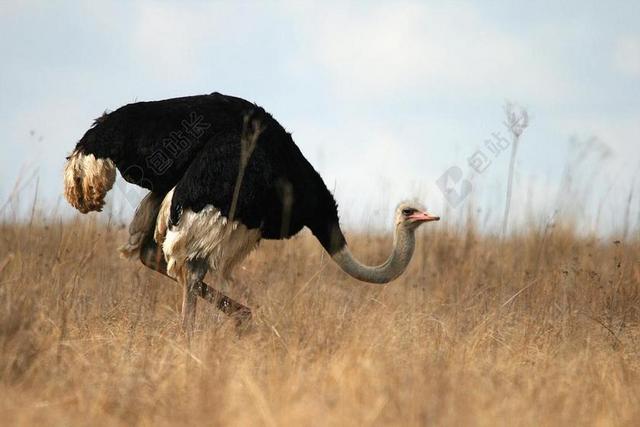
(424, 217)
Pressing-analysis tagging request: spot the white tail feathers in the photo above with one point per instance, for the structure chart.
(87, 180)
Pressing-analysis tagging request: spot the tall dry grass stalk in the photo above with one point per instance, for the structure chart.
(536, 329)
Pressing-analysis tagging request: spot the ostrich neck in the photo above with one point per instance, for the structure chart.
(403, 246)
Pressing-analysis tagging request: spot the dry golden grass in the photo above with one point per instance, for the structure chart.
(541, 329)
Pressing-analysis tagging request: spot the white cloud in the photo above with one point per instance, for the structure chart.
(389, 47)
(626, 55)
(170, 39)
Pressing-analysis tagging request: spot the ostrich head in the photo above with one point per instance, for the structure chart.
(411, 215)
(408, 217)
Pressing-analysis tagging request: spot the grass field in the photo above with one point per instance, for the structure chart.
(542, 328)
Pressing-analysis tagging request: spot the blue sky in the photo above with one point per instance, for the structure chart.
(382, 97)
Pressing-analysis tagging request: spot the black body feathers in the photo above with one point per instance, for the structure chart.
(195, 145)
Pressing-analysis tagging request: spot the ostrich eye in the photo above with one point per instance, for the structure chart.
(408, 211)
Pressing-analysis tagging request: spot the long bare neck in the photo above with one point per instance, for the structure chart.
(394, 266)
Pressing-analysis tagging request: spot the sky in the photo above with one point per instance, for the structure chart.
(388, 100)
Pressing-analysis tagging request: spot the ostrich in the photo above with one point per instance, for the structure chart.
(222, 174)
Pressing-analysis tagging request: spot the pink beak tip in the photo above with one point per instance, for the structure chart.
(423, 216)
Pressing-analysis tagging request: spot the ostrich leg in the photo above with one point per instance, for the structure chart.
(190, 278)
(151, 256)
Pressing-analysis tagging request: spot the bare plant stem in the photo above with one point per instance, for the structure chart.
(516, 122)
(507, 206)
(248, 143)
